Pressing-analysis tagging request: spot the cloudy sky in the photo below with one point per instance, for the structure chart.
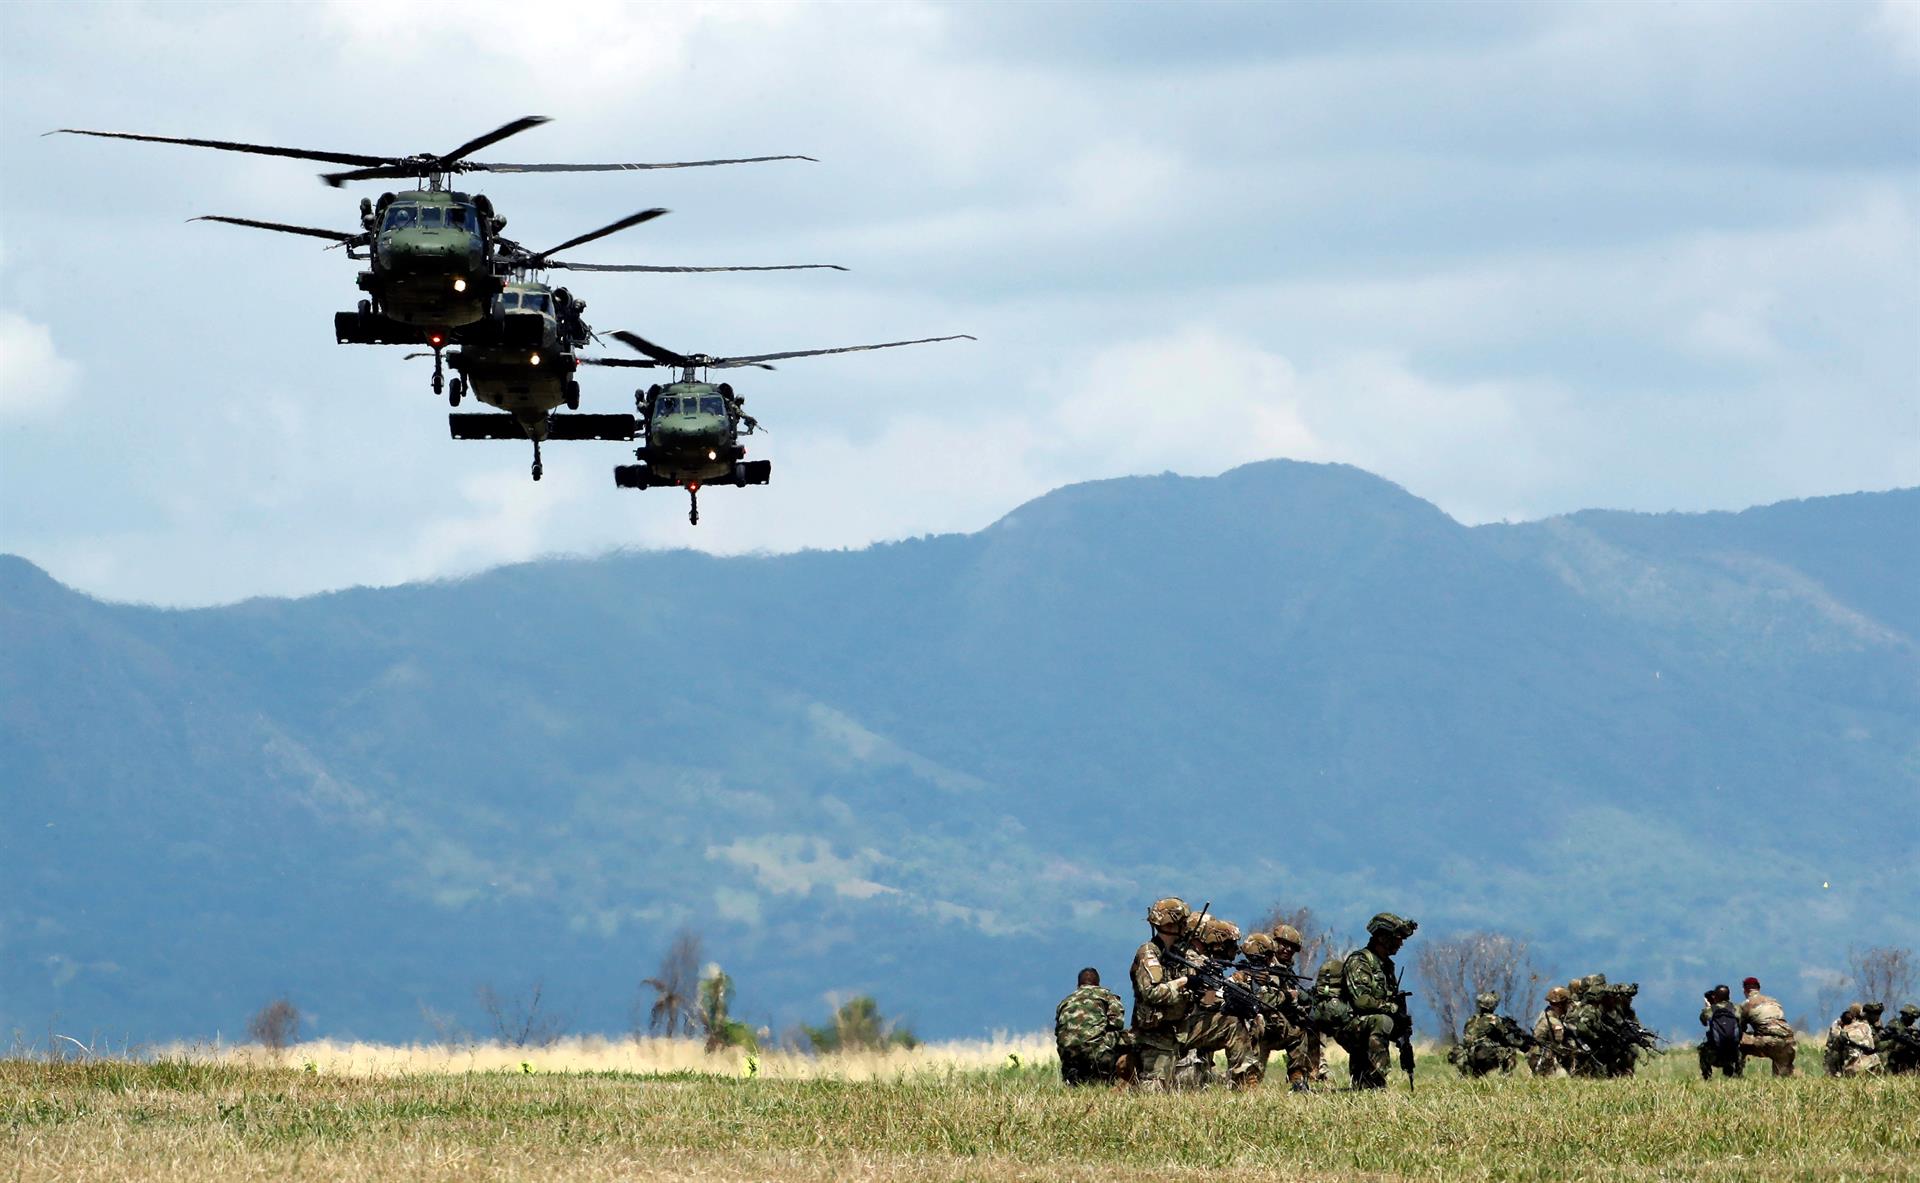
(1520, 259)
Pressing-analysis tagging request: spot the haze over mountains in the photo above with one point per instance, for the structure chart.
(951, 771)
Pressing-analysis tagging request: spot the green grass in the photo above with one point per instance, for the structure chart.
(174, 1119)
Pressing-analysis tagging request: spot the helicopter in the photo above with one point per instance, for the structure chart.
(432, 253)
(521, 359)
(691, 429)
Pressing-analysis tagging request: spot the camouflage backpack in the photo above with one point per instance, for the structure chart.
(1330, 1009)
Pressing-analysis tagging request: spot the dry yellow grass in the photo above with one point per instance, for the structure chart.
(646, 1057)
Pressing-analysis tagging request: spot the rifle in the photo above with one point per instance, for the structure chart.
(1639, 1037)
(1907, 1037)
(1514, 1035)
(1212, 974)
(1403, 1031)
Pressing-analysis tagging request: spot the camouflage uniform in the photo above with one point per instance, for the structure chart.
(1158, 1006)
(1278, 1027)
(1850, 1045)
(1768, 1034)
(1088, 1027)
(1903, 1036)
(1587, 1031)
(1208, 1027)
(1371, 990)
(1552, 1054)
(1718, 1003)
(1484, 1045)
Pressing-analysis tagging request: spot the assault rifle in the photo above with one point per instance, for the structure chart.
(1215, 975)
(1403, 1032)
(1509, 1032)
(1907, 1037)
(1640, 1037)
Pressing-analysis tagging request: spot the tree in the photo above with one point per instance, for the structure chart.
(675, 986)
(716, 997)
(517, 1020)
(1882, 974)
(1456, 969)
(275, 1025)
(857, 1025)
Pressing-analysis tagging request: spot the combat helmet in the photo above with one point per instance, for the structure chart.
(1593, 980)
(1486, 1000)
(1217, 932)
(1910, 1013)
(1873, 1010)
(1391, 925)
(1260, 944)
(1558, 994)
(1172, 910)
(1287, 934)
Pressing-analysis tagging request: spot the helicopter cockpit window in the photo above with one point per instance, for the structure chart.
(457, 217)
(509, 299)
(668, 405)
(712, 404)
(400, 217)
(536, 302)
(430, 218)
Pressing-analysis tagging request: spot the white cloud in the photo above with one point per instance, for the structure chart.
(34, 378)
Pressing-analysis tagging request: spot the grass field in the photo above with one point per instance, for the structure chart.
(946, 1112)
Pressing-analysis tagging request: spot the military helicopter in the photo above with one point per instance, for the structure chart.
(692, 428)
(432, 253)
(521, 359)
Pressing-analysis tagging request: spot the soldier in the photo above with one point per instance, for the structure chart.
(1767, 1032)
(1278, 1028)
(1872, 1012)
(1302, 1044)
(1372, 990)
(1587, 1030)
(1088, 1027)
(1160, 998)
(1208, 1028)
(1720, 1045)
(1485, 1043)
(1850, 1050)
(1903, 1042)
(1552, 1053)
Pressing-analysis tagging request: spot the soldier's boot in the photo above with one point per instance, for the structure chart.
(1191, 1073)
(1248, 1080)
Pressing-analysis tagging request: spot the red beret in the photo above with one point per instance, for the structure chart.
(1750, 984)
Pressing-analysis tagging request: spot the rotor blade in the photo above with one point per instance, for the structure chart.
(642, 345)
(679, 270)
(495, 136)
(614, 168)
(645, 215)
(400, 170)
(230, 146)
(719, 363)
(309, 231)
(634, 362)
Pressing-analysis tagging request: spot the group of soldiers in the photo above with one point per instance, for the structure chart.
(1200, 990)
(1859, 1044)
(1588, 1028)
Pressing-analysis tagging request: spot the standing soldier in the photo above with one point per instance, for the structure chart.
(1087, 1029)
(1160, 999)
(1372, 990)
(1552, 1053)
(1768, 1033)
(1903, 1042)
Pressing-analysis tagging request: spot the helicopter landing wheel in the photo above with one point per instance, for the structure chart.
(693, 505)
(537, 469)
(456, 390)
(366, 308)
(573, 395)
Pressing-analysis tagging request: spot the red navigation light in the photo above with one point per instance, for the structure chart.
(435, 340)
